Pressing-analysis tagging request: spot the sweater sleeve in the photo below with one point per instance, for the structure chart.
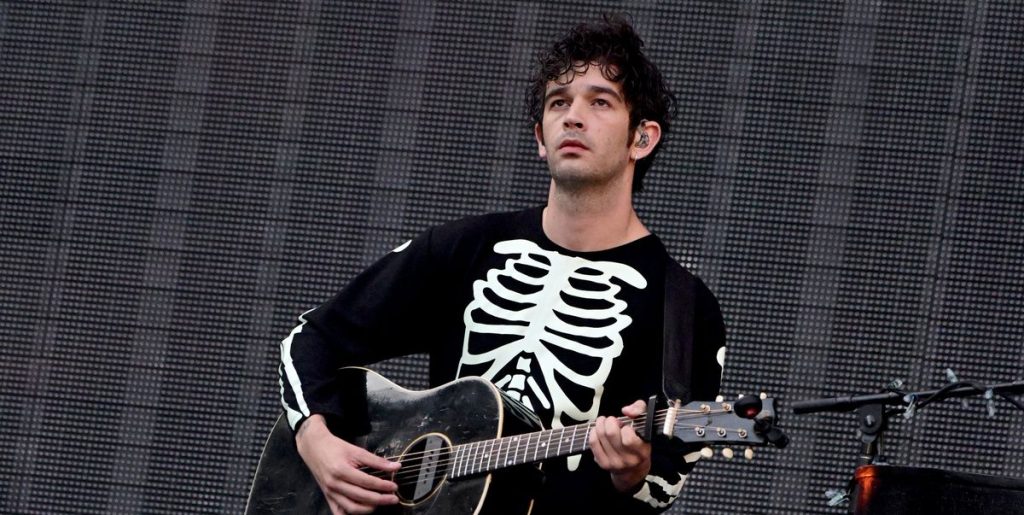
(672, 460)
(670, 465)
(357, 327)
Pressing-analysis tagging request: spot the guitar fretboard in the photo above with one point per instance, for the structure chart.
(488, 455)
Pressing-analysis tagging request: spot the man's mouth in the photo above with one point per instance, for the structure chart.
(572, 144)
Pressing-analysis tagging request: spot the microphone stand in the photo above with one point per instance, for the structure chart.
(872, 416)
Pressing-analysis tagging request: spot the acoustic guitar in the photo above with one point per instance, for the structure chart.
(465, 447)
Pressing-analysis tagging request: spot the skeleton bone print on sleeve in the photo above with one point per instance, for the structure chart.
(545, 319)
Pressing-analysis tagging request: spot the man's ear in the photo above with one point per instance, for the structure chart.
(538, 133)
(648, 135)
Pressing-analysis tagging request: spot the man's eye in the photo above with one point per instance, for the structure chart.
(601, 102)
(558, 103)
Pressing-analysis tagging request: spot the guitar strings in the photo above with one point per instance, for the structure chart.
(408, 471)
(574, 434)
(659, 419)
(410, 474)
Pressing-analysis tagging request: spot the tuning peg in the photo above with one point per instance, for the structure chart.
(748, 453)
(707, 452)
(763, 396)
(719, 399)
(748, 407)
(728, 453)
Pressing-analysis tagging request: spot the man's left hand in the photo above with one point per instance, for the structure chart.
(619, 450)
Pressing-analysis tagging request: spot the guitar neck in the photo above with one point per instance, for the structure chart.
(697, 422)
(490, 455)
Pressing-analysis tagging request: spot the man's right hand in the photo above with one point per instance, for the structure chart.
(335, 464)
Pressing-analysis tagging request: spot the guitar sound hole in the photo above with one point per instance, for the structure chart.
(425, 464)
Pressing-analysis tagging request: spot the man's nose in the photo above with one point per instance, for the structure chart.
(572, 119)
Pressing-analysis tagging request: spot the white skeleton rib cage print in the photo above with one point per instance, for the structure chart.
(544, 304)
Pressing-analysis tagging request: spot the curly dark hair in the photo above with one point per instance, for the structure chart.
(613, 45)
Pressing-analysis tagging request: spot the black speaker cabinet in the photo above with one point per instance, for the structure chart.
(884, 489)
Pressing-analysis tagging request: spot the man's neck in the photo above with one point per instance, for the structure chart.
(591, 222)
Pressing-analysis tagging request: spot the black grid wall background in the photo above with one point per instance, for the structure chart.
(180, 180)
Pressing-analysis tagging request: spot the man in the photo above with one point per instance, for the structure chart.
(563, 307)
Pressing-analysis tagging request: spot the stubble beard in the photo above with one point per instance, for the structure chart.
(576, 179)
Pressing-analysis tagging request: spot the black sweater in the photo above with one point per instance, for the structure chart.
(573, 335)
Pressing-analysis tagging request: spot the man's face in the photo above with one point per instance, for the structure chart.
(584, 134)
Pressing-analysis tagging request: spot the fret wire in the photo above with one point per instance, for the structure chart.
(462, 459)
(489, 453)
(496, 452)
(455, 462)
(460, 455)
(495, 447)
(501, 461)
(474, 457)
(471, 454)
(481, 456)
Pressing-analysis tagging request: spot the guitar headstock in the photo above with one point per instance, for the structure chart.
(749, 421)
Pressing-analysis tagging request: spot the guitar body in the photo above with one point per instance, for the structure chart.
(417, 428)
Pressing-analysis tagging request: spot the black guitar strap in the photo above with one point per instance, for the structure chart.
(677, 346)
